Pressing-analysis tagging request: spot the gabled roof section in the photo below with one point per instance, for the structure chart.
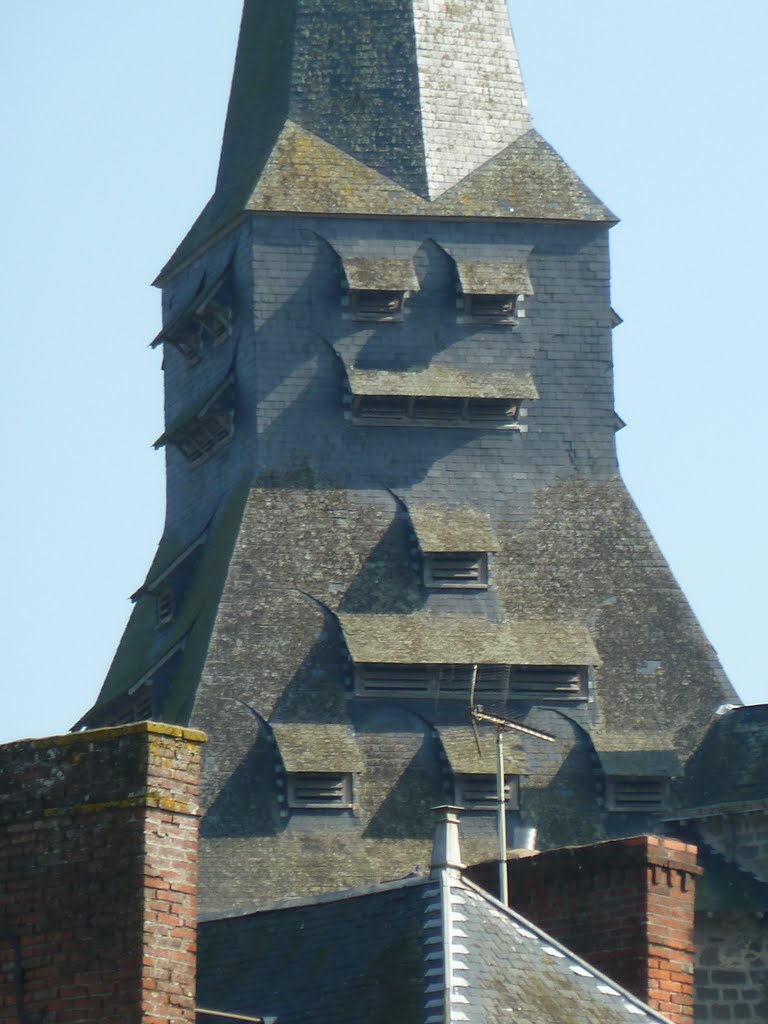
(317, 747)
(471, 753)
(418, 951)
(632, 754)
(447, 639)
(440, 528)
(356, 107)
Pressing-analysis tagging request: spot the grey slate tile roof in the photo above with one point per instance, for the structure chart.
(731, 765)
(426, 639)
(419, 951)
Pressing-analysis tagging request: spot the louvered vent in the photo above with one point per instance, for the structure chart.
(452, 681)
(319, 791)
(381, 408)
(636, 793)
(436, 411)
(165, 605)
(479, 792)
(548, 682)
(395, 680)
(456, 570)
(499, 309)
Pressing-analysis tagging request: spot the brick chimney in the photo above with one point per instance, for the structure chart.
(626, 906)
(98, 876)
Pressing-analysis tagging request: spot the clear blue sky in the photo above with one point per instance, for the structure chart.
(111, 119)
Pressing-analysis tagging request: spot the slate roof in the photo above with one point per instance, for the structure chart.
(731, 765)
(427, 639)
(418, 950)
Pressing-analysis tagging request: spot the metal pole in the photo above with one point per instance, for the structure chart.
(502, 808)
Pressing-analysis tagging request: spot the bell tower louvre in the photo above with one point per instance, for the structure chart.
(392, 485)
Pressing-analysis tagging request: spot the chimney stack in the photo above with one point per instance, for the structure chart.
(626, 906)
(98, 876)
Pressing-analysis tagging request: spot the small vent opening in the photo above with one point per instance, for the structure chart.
(636, 793)
(479, 792)
(548, 682)
(456, 570)
(319, 791)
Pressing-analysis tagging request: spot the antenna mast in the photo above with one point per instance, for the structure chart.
(502, 725)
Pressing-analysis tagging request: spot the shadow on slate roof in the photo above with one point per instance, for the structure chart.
(393, 952)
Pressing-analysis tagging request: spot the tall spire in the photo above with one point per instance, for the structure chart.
(393, 107)
(422, 91)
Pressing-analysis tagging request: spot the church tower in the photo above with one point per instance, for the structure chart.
(392, 486)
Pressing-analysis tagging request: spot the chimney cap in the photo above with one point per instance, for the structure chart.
(446, 851)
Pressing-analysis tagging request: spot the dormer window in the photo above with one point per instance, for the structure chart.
(201, 433)
(206, 320)
(456, 570)
(204, 436)
(377, 288)
(440, 396)
(492, 284)
(215, 321)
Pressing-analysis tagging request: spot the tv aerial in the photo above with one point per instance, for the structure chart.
(478, 714)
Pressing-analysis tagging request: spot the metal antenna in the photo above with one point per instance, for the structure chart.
(472, 709)
(502, 725)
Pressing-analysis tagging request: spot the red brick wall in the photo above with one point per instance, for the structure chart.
(98, 874)
(626, 906)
